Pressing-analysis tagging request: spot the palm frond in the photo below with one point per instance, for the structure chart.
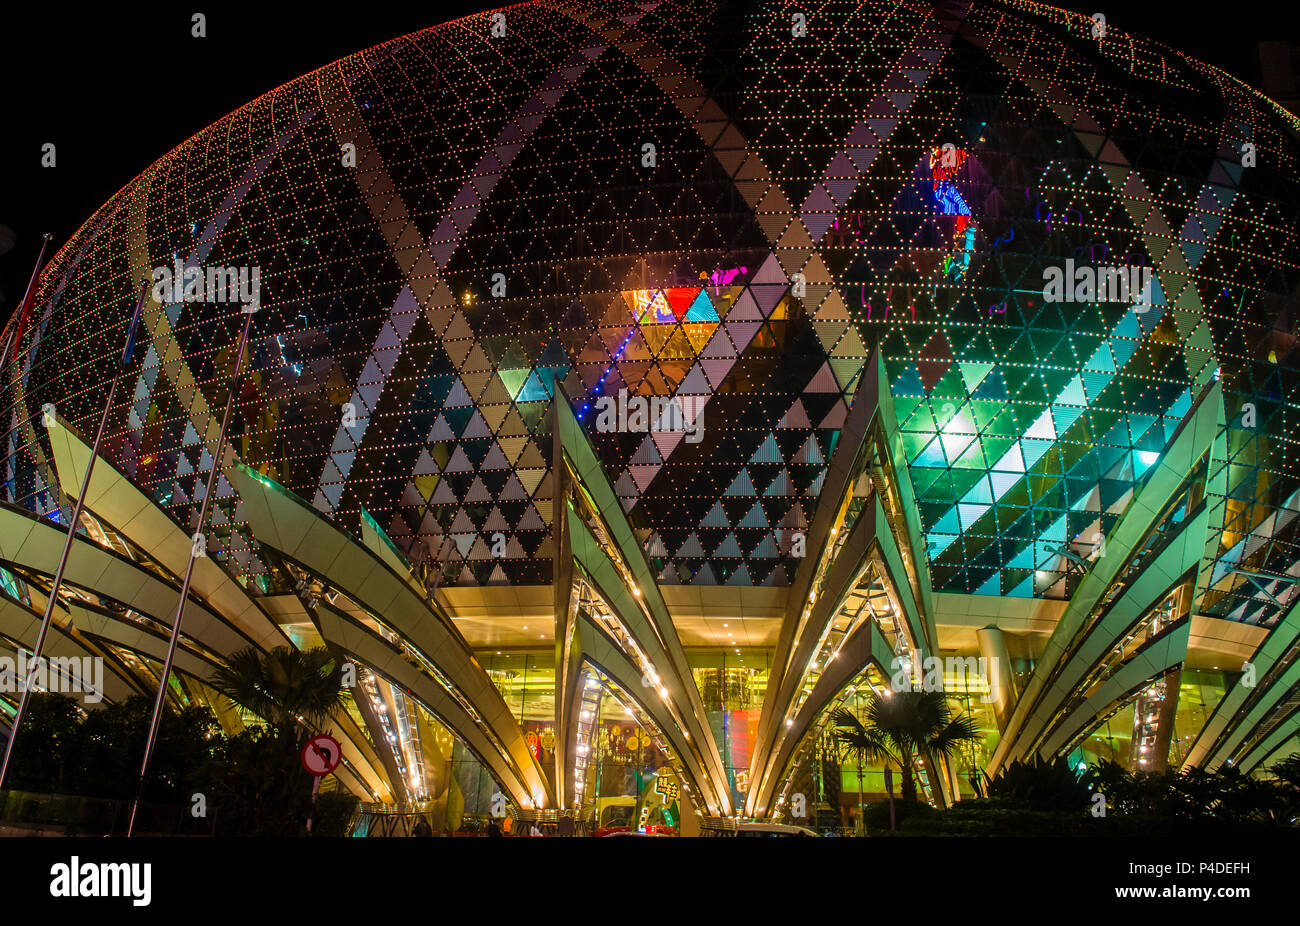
(961, 729)
(283, 686)
(865, 740)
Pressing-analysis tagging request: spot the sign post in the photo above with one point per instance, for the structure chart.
(320, 756)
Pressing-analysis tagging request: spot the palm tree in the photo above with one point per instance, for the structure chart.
(861, 747)
(295, 692)
(286, 687)
(899, 728)
(1288, 770)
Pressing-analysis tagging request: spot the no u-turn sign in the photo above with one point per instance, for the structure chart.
(321, 755)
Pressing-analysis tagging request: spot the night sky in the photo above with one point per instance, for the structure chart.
(115, 89)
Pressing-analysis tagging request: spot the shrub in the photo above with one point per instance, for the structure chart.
(334, 810)
(876, 814)
(1053, 785)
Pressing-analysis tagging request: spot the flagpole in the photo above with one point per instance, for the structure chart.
(249, 310)
(53, 598)
(31, 283)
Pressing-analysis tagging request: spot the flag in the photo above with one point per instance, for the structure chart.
(128, 349)
(29, 299)
(21, 328)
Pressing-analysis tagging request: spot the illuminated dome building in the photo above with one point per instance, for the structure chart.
(825, 232)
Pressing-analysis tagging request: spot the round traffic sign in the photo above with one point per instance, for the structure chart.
(321, 755)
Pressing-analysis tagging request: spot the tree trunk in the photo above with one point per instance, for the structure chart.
(939, 782)
(909, 782)
(861, 823)
(889, 788)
